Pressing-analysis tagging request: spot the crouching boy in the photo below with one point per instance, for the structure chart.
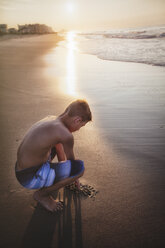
(45, 139)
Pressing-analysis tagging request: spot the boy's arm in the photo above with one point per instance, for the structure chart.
(68, 144)
(77, 183)
(68, 148)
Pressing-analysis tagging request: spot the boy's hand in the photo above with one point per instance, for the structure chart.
(77, 183)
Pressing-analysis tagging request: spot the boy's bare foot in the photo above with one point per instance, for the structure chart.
(48, 202)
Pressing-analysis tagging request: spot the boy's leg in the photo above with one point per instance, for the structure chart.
(43, 196)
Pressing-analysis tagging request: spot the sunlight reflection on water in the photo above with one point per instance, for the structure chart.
(70, 66)
(61, 64)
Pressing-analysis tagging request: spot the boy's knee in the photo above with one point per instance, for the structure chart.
(81, 174)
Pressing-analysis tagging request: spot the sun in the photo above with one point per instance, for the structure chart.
(70, 7)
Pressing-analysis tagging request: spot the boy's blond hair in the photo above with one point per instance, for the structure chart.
(79, 108)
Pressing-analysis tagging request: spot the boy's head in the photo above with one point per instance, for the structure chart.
(79, 114)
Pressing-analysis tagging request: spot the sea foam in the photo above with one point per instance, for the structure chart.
(142, 45)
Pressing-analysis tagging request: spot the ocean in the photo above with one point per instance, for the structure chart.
(140, 45)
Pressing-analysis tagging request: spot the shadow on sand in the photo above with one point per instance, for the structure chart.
(60, 230)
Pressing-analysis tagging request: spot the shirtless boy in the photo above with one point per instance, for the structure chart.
(47, 134)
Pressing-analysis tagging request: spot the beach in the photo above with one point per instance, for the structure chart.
(123, 148)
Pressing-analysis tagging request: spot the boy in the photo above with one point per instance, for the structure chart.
(50, 136)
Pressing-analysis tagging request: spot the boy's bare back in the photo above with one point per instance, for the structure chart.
(36, 145)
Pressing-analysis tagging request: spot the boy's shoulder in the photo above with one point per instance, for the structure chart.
(62, 130)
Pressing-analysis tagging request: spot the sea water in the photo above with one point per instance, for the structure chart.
(144, 45)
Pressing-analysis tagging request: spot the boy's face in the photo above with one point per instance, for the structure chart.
(76, 124)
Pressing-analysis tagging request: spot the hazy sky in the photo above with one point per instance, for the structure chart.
(83, 14)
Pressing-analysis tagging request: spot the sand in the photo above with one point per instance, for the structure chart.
(128, 210)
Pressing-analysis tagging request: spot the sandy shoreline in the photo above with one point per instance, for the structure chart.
(5, 37)
(126, 213)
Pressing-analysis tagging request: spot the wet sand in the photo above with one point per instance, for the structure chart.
(122, 150)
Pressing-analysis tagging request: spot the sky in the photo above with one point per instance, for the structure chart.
(83, 14)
